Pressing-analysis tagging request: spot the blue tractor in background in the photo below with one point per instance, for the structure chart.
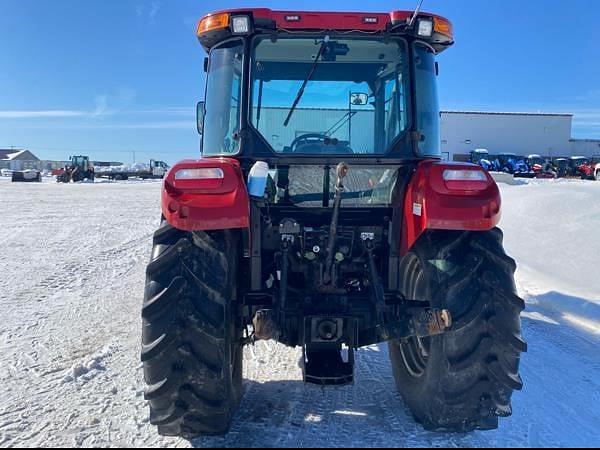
(513, 164)
(481, 157)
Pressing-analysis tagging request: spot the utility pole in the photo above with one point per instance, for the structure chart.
(134, 156)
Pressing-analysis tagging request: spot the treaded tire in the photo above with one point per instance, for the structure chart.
(191, 346)
(462, 380)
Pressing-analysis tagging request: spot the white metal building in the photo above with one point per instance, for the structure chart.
(546, 134)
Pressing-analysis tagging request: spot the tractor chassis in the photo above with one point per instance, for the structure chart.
(328, 340)
(325, 316)
(329, 323)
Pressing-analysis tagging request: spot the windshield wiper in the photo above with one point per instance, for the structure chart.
(306, 80)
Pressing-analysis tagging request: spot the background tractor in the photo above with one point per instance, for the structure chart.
(590, 168)
(562, 167)
(513, 164)
(328, 237)
(541, 167)
(481, 157)
(80, 169)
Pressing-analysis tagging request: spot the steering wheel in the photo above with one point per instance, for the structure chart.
(315, 142)
(308, 138)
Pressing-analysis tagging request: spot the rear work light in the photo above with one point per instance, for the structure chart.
(425, 28)
(240, 24)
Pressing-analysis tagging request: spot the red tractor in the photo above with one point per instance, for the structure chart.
(322, 216)
(590, 168)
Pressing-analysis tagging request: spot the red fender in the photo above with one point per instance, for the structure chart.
(206, 204)
(435, 203)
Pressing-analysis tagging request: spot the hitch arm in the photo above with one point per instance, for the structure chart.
(417, 322)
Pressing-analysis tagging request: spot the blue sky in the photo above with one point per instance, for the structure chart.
(110, 77)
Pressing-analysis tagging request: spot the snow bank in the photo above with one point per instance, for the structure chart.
(552, 229)
(89, 367)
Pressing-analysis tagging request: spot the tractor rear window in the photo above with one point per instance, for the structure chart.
(329, 96)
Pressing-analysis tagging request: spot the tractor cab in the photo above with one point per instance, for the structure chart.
(479, 154)
(505, 158)
(562, 166)
(82, 162)
(321, 87)
(481, 157)
(532, 160)
(576, 163)
(511, 163)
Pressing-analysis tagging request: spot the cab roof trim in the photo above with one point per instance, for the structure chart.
(373, 22)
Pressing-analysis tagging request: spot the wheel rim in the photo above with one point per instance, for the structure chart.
(415, 351)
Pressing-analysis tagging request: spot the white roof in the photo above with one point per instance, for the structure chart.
(11, 156)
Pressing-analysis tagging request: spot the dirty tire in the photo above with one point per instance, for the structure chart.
(191, 350)
(462, 380)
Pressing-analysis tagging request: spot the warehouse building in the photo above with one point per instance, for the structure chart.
(546, 134)
(14, 159)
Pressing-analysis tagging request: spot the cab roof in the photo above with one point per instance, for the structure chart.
(265, 18)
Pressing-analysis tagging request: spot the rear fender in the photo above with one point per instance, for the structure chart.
(204, 205)
(432, 203)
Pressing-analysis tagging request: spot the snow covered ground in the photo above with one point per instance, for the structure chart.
(72, 261)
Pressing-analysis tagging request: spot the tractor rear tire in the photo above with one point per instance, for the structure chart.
(191, 344)
(462, 380)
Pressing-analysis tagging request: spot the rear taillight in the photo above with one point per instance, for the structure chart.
(464, 175)
(199, 178)
(465, 179)
(200, 174)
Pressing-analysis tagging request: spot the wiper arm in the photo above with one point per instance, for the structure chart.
(305, 82)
